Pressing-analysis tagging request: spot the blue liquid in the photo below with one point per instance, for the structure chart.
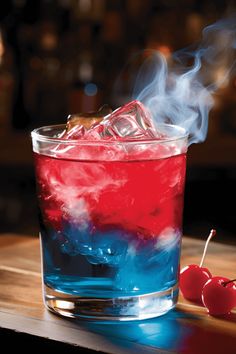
(108, 264)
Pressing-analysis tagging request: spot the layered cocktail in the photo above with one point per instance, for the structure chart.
(110, 190)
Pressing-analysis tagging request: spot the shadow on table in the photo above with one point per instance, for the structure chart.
(164, 332)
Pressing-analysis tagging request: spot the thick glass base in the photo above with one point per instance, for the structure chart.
(112, 309)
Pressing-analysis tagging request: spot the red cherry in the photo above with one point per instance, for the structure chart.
(192, 280)
(219, 295)
(193, 277)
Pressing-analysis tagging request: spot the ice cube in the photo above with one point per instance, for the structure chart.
(76, 132)
(87, 119)
(78, 124)
(125, 127)
(107, 251)
(131, 121)
(138, 112)
(97, 247)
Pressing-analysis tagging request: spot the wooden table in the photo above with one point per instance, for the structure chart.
(188, 329)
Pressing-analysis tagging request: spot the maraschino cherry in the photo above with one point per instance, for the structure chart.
(219, 295)
(194, 277)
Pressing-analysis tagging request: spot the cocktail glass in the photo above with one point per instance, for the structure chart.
(110, 223)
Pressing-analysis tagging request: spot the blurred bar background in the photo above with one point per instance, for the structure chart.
(65, 56)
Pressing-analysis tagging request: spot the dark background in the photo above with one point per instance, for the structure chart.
(64, 56)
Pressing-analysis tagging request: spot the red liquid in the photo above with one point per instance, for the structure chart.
(144, 198)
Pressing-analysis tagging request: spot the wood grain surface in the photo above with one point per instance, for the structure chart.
(188, 329)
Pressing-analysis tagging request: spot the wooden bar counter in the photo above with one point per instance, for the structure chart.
(187, 329)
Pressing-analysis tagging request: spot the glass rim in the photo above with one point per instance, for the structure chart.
(35, 135)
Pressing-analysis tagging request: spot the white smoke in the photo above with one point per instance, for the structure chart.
(181, 94)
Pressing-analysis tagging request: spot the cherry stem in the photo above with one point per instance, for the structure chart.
(228, 282)
(211, 234)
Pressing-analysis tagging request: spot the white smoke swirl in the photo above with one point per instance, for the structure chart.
(180, 93)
